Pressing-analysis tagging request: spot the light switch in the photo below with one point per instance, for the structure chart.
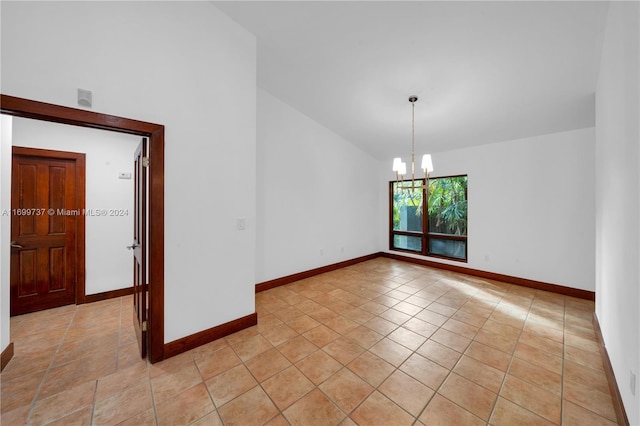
(241, 224)
(124, 175)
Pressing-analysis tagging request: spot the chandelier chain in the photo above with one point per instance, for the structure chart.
(413, 107)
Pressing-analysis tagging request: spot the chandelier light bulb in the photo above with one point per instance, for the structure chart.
(396, 164)
(427, 164)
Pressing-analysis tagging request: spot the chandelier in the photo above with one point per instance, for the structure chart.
(400, 167)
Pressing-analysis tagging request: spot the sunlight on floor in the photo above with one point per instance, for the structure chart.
(380, 342)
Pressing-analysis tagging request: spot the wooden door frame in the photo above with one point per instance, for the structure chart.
(80, 161)
(20, 107)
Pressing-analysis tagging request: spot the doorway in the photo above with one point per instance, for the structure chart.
(47, 238)
(20, 107)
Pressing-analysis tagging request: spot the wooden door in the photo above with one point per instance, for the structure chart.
(46, 208)
(140, 301)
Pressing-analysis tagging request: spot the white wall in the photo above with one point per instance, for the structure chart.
(182, 64)
(316, 194)
(107, 260)
(5, 227)
(531, 206)
(618, 197)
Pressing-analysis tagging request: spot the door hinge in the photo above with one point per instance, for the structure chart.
(144, 326)
(145, 161)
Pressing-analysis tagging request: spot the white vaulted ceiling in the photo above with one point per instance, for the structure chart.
(483, 71)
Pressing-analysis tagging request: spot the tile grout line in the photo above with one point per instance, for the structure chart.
(95, 395)
(93, 403)
(367, 350)
(343, 366)
(204, 381)
(256, 379)
(215, 407)
(294, 365)
(457, 362)
(506, 372)
(450, 371)
(46, 374)
(376, 388)
(533, 384)
(396, 369)
(413, 352)
(119, 336)
(562, 377)
(522, 330)
(153, 398)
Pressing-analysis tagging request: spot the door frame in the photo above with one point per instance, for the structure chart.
(26, 108)
(80, 163)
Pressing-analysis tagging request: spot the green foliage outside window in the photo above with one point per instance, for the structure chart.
(406, 201)
(448, 205)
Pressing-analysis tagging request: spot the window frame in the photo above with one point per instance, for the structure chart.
(425, 235)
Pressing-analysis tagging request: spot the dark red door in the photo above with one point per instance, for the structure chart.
(45, 212)
(139, 246)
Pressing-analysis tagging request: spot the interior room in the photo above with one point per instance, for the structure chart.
(283, 247)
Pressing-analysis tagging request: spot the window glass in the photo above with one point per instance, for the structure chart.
(407, 209)
(444, 231)
(448, 248)
(407, 242)
(448, 205)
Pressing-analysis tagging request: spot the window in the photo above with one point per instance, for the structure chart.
(443, 231)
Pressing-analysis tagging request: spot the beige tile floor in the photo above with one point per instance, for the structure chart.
(381, 342)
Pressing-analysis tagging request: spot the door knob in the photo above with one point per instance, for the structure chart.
(15, 245)
(132, 246)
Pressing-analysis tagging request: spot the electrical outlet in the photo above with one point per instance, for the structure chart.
(632, 382)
